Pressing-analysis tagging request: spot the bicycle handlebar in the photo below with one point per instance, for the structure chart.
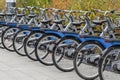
(86, 13)
(30, 8)
(105, 12)
(21, 9)
(71, 11)
(56, 10)
(13, 8)
(118, 14)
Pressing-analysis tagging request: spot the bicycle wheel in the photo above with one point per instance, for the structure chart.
(64, 53)
(44, 48)
(7, 38)
(87, 58)
(18, 41)
(29, 45)
(2, 29)
(109, 66)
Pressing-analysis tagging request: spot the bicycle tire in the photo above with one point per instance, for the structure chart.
(37, 53)
(53, 55)
(75, 61)
(103, 58)
(2, 39)
(17, 49)
(25, 46)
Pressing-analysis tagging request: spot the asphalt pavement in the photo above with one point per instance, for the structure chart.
(15, 67)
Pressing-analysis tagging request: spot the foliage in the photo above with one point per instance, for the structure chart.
(2, 4)
(69, 4)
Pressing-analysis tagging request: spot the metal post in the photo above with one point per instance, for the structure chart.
(9, 4)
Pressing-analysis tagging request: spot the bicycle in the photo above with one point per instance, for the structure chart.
(44, 55)
(89, 52)
(9, 33)
(63, 52)
(5, 19)
(110, 60)
(20, 37)
(30, 41)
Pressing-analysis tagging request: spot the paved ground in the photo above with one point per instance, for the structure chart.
(15, 67)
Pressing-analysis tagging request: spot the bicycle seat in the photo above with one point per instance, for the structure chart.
(32, 16)
(46, 21)
(98, 22)
(77, 23)
(9, 14)
(2, 14)
(58, 21)
(20, 15)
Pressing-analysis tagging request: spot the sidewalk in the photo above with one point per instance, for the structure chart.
(15, 67)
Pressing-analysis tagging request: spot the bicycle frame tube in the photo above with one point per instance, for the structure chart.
(102, 36)
(35, 21)
(13, 19)
(61, 27)
(68, 26)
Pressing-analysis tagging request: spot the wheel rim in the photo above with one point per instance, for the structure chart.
(8, 38)
(43, 52)
(109, 68)
(30, 45)
(64, 54)
(86, 61)
(19, 41)
(1, 31)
